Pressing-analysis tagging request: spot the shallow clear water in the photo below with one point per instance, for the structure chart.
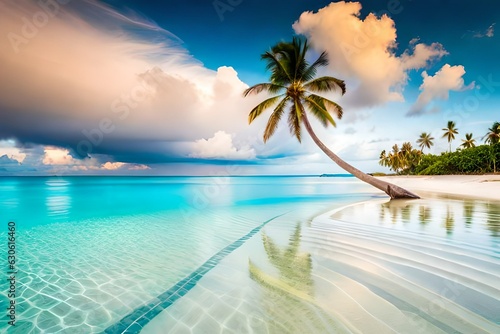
(191, 254)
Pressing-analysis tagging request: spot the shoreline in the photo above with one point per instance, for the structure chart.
(486, 187)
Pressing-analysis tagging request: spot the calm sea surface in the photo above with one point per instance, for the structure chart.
(245, 254)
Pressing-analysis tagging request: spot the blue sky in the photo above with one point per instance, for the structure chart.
(154, 88)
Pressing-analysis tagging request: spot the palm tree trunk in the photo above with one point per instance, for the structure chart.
(394, 191)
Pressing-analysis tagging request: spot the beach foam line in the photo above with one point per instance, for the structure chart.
(135, 321)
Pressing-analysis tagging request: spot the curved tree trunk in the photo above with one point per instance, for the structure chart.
(390, 189)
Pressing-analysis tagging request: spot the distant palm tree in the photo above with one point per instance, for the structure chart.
(493, 135)
(450, 131)
(425, 140)
(395, 161)
(409, 157)
(468, 142)
(492, 138)
(384, 159)
(292, 78)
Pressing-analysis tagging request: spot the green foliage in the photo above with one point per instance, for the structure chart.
(427, 161)
(474, 160)
(402, 161)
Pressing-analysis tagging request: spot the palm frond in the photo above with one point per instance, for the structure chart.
(291, 57)
(310, 72)
(300, 60)
(268, 87)
(261, 107)
(330, 106)
(280, 74)
(274, 119)
(318, 109)
(325, 84)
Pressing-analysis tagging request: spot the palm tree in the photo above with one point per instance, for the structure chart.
(493, 135)
(425, 140)
(468, 142)
(450, 131)
(293, 79)
(409, 157)
(395, 159)
(492, 138)
(384, 159)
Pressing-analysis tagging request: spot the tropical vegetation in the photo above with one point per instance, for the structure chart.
(469, 158)
(294, 88)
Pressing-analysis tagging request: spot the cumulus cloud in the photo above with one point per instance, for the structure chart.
(42, 160)
(8, 148)
(58, 156)
(221, 146)
(438, 87)
(96, 82)
(362, 52)
(113, 165)
(6, 162)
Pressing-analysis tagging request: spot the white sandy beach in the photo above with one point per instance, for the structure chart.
(476, 186)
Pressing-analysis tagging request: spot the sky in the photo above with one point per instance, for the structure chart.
(155, 88)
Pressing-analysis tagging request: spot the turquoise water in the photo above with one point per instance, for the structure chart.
(246, 254)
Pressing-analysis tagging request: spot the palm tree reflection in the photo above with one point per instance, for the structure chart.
(468, 212)
(288, 300)
(449, 221)
(424, 214)
(493, 219)
(398, 210)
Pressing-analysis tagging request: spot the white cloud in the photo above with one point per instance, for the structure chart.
(112, 165)
(138, 167)
(6, 162)
(489, 32)
(41, 159)
(438, 87)
(221, 146)
(58, 156)
(362, 52)
(8, 148)
(76, 72)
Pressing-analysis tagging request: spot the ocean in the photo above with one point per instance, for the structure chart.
(243, 254)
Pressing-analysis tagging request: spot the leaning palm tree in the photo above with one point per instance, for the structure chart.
(468, 142)
(450, 131)
(425, 140)
(292, 79)
(493, 135)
